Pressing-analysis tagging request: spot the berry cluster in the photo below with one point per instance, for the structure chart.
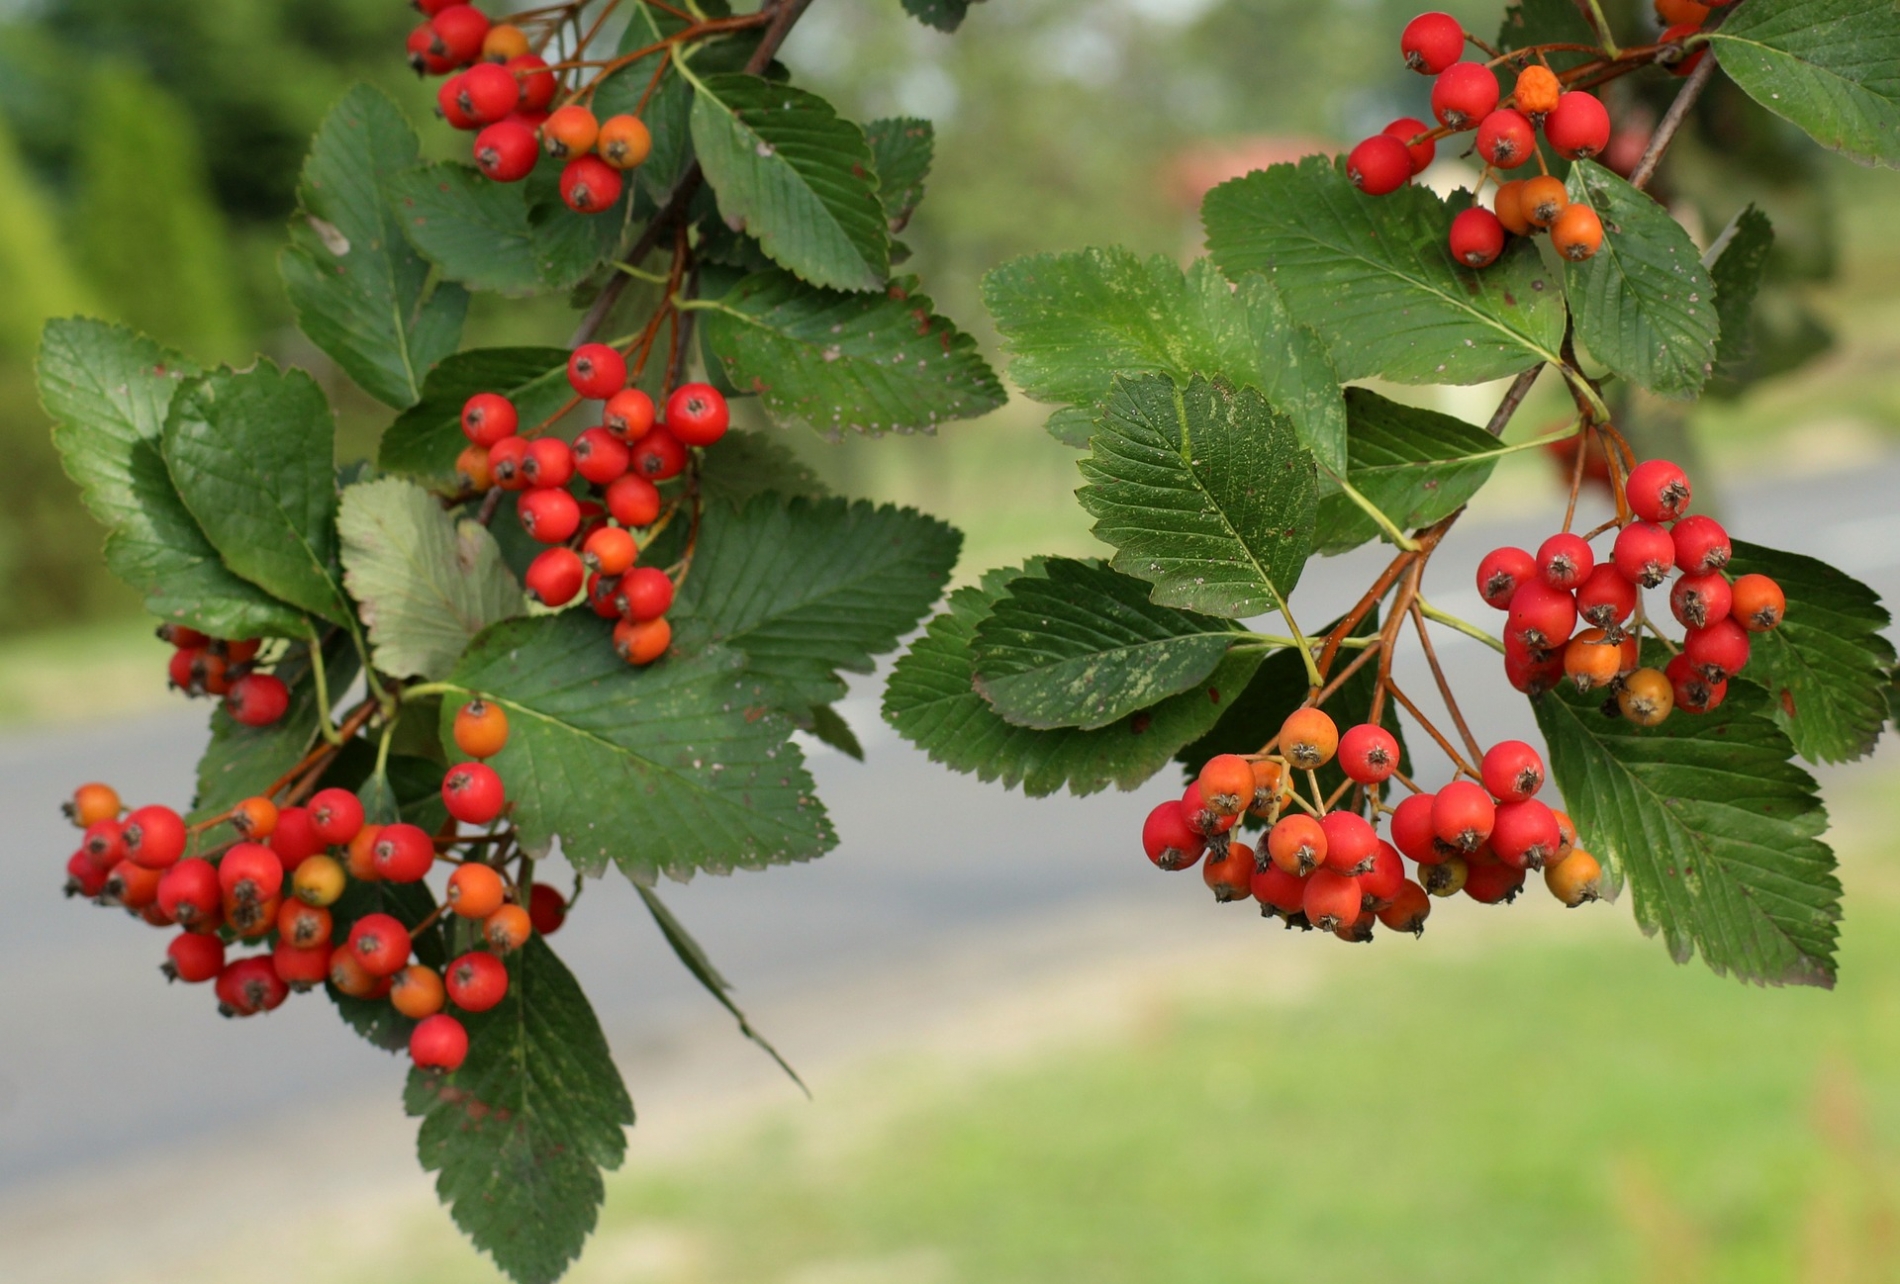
(1325, 867)
(621, 459)
(1547, 595)
(502, 90)
(276, 884)
(207, 666)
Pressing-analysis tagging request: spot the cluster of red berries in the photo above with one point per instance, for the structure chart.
(621, 459)
(506, 96)
(208, 666)
(275, 884)
(1328, 868)
(1548, 594)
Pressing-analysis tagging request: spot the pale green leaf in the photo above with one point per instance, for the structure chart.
(1830, 66)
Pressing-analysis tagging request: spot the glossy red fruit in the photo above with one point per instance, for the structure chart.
(1278, 890)
(1606, 599)
(603, 594)
(459, 30)
(131, 885)
(1411, 826)
(659, 455)
(1580, 126)
(190, 894)
(596, 371)
(180, 669)
(336, 815)
(633, 501)
(538, 85)
(439, 1042)
(1422, 152)
(1464, 94)
(486, 93)
(507, 150)
(1203, 818)
(1658, 491)
(648, 592)
(1368, 753)
(427, 55)
(1230, 877)
(380, 942)
(1532, 671)
(548, 463)
(1492, 884)
(590, 185)
(1379, 165)
(1701, 545)
(1501, 571)
(295, 838)
(547, 908)
(555, 576)
(250, 874)
(1718, 652)
(1644, 554)
(1432, 42)
(697, 414)
(1409, 909)
(1694, 692)
(1297, 843)
(473, 793)
(1757, 603)
(629, 414)
(600, 457)
(504, 463)
(1505, 138)
(1332, 900)
(402, 853)
(1542, 618)
(154, 837)
(301, 967)
(103, 843)
(487, 417)
(1525, 834)
(1698, 601)
(1351, 842)
(477, 981)
(1477, 237)
(1380, 884)
(304, 925)
(1512, 770)
(1462, 815)
(1170, 841)
(1565, 560)
(448, 102)
(249, 986)
(257, 699)
(193, 957)
(549, 516)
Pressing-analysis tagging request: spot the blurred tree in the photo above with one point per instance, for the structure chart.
(36, 277)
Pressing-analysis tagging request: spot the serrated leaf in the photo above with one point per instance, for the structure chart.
(870, 363)
(425, 439)
(829, 727)
(1204, 492)
(424, 582)
(1373, 276)
(1542, 22)
(1715, 831)
(1416, 466)
(253, 456)
(512, 238)
(109, 390)
(675, 767)
(931, 702)
(944, 15)
(241, 762)
(1827, 668)
(902, 148)
(1735, 262)
(1644, 304)
(1079, 645)
(1075, 321)
(668, 111)
(1830, 66)
(360, 290)
(519, 1134)
(798, 176)
(751, 463)
(807, 589)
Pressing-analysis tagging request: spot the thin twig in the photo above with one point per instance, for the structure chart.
(1444, 686)
(1671, 122)
(1513, 398)
(1418, 715)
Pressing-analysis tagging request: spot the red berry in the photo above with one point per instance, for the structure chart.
(628, 414)
(180, 670)
(1565, 560)
(154, 837)
(336, 815)
(600, 457)
(1332, 900)
(477, 981)
(1658, 491)
(1542, 618)
(1368, 753)
(1525, 834)
(1227, 783)
(1698, 601)
(603, 594)
(130, 885)
(294, 838)
(659, 455)
(1757, 603)
(193, 957)
(1432, 42)
(538, 85)
(1644, 554)
(473, 793)
(696, 413)
(300, 967)
(1405, 129)
(633, 501)
(596, 371)
(449, 102)
(1580, 126)
(610, 550)
(1694, 692)
(505, 458)
(1409, 909)
(250, 874)
(249, 986)
(190, 894)
(459, 30)
(547, 908)
(1512, 771)
(1379, 165)
(555, 576)
(1297, 843)
(648, 592)
(103, 843)
(548, 463)
(1412, 829)
(1351, 842)
(487, 417)
(1606, 599)
(1532, 671)
(427, 55)
(1501, 571)
(1380, 885)
(1202, 817)
(1477, 238)
(1170, 841)
(304, 925)
(506, 150)
(1230, 877)
(590, 185)
(1462, 815)
(549, 516)
(1278, 890)
(1700, 545)
(1490, 884)
(1463, 94)
(379, 941)
(439, 1042)
(1505, 138)
(402, 853)
(486, 93)
(1718, 652)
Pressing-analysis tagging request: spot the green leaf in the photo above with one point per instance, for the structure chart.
(668, 112)
(1830, 66)
(241, 762)
(810, 588)
(1416, 466)
(1079, 645)
(1372, 274)
(1541, 22)
(1735, 263)
(931, 702)
(425, 439)
(797, 175)
(1827, 668)
(360, 291)
(870, 363)
(752, 463)
(1716, 832)
(1203, 491)
(1644, 304)
(671, 768)
(829, 727)
(902, 148)
(519, 1134)
(568, 247)
(1075, 321)
(944, 15)
(476, 231)
(424, 582)
(253, 455)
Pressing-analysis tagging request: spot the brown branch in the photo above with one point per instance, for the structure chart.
(1671, 122)
(1513, 398)
(1444, 685)
(1418, 715)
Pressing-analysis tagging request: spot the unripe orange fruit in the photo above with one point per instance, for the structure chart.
(1508, 205)
(1542, 199)
(1574, 879)
(481, 729)
(504, 41)
(1308, 738)
(1577, 233)
(417, 991)
(1537, 91)
(1590, 661)
(476, 891)
(623, 141)
(1227, 784)
(1647, 697)
(570, 131)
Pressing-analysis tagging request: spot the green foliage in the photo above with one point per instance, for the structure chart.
(37, 278)
(945, 15)
(510, 238)
(241, 762)
(361, 292)
(1541, 22)
(1203, 491)
(1735, 263)
(519, 1134)
(901, 149)
(376, 1021)
(1830, 66)
(1415, 466)
(753, 463)
(425, 439)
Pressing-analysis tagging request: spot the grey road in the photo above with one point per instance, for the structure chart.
(101, 1064)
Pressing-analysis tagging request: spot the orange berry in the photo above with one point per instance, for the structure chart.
(472, 467)
(1673, 13)
(481, 728)
(504, 41)
(417, 991)
(318, 880)
(1591, 661)
(624, 141)
(1227, 784)
(1757, 604)
(1575, 879)
(610, 550)
(1269, 786)
(1542, 199)
(570, 131)
(1577, 233)
(93, 803)
(1537, 91)
(1647, 697)
(361, 857)
(508, 928)
(642, 641)
(1308, 738)
(255, 818)
(1507, 204)
(476, 891)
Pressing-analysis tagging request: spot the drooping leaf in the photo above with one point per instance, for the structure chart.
(1075, 644)
(1735, 262)
(1644, 304)
(675, 767)
(811, 588)
(1373, 276)
(1204, 492)
(1416, 466)
(931, 702)
(424, 583)
(426, 438)
(360, 290)
(1075, 321)
(241, 762)
(752, 463)
(519, 1134)
(109, 390)
(797, 175)
(1543, 22)
(902, 147)
(1715, 831)
(1827, 668)
(253, 456)
(944, 15)
(1830, 66)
